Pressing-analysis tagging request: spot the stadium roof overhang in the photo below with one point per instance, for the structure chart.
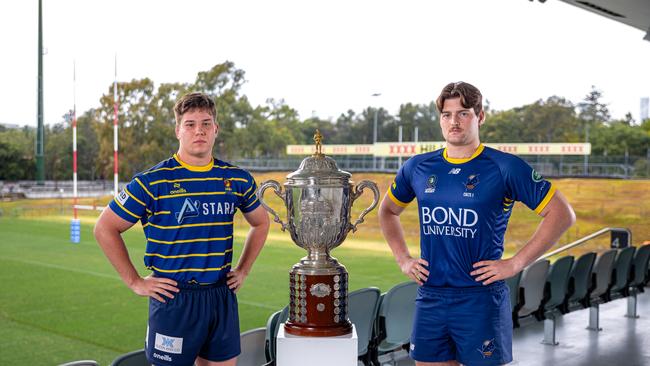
(635, 13)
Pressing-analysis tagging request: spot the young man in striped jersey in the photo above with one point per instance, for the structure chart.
(186, 205)
(465, 194)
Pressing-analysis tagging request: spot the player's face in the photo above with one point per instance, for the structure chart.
(460, 125)
(196, 134)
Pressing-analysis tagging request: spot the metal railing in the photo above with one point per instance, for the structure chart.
(593, 235)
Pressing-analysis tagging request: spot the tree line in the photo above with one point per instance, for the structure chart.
(146, 128)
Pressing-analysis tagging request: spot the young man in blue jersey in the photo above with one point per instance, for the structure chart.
(465, 194)
(186, 205)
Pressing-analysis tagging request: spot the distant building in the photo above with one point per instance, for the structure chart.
(644, 108)
(13, 125)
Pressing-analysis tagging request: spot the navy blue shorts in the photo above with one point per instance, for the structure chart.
(201, 320)
(470, 325)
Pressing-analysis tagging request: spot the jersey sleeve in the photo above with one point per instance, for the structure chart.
(400, 191)
(525, 184)
(249, 200)
(132, 202)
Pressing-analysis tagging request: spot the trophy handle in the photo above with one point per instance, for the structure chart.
(358, 190)
(278, 192)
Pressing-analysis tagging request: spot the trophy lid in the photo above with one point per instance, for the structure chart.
(318, 169)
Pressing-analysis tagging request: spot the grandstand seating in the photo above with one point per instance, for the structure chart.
(639, 274)
(135, 358)
(579, 283)
(555, 290)
(531, 290)
(539, 293)
(252, 348)
(621, 274)
(362, 311)
(601, 283)
(272, 327)
(394, 323)
(81, 363)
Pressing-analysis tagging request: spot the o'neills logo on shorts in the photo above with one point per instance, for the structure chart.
(162, 357)
(168, 344)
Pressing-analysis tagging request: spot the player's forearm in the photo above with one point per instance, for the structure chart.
(549, 231)
(114, 249)
(252, 247)
(391, 228)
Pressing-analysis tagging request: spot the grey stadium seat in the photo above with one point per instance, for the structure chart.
(252, 348)
(532, 284)
(135, 358)
(621, 274)
(602, 275)
(513, 288)
(395, 319)
(362, 311)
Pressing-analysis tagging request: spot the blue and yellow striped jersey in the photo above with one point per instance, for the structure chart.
(464, 206)
(187, 214)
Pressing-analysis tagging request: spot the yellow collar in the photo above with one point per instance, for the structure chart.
(193, 168)
(476, 153)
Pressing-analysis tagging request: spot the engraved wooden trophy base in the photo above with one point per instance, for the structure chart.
(318, 302)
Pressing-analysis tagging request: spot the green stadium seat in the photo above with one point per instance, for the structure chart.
(395, 320)
(621, 274)
(555, 289)
(271, 334)
(579, 283)
(362, 311)
(252, 348)
(135, 358)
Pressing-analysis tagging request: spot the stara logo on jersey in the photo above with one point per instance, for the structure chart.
(195, 208)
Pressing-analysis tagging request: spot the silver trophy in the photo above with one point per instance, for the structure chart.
(318, 197)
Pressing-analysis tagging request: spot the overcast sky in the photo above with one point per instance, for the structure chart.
(321, 57)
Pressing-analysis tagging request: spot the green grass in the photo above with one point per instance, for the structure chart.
(61, 301)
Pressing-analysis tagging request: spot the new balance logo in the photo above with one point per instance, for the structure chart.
(454, 171)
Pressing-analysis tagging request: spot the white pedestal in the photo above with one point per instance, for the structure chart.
(316, 351)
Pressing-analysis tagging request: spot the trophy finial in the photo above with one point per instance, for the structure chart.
(318, 138)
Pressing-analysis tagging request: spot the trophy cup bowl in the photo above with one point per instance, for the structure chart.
(318, 197)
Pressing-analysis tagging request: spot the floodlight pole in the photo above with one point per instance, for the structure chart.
(40, 131)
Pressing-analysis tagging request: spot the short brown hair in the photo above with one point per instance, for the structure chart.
(470, 96)
(194, 101)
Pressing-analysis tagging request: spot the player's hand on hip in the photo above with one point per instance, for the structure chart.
(155, 287)
(415, 269)
(236, 279)
(488, 272)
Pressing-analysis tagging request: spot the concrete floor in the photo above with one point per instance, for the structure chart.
(621, 342)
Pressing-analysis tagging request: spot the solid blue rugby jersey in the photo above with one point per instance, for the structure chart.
(187, 214)
(464, 206)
